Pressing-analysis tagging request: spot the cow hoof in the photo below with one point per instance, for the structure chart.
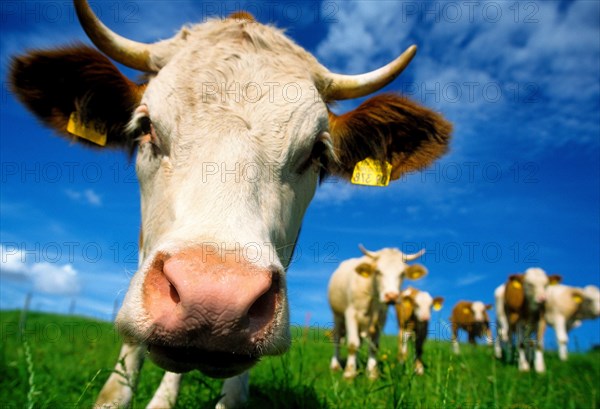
(373, 374)
(349, 375)
(524, 368)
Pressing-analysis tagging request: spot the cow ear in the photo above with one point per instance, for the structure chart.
(388, 128)
(438, 302)
(516, 280)
(365, 269)
(554, 279)
(78, 92)
(415, 272)
(489, 306)
(577, 296)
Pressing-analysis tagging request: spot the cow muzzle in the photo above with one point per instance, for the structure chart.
(210, 312)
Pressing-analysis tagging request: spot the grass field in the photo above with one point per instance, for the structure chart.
(62, 361)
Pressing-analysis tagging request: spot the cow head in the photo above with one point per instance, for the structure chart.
(232, 131)
(388, 268)
(592, 300)
(478, 309)
(421, 303)
(535, 281)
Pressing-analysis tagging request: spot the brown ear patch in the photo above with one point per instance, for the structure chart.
(241, 15)
(54, 84)
(365, 269)
(415, 271)
(514, 294)
(389, 127)
(554, 279)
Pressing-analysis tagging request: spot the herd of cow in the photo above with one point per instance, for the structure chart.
(194, 305)
(362, 289)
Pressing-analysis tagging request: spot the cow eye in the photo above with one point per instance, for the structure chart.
(318, 155)
(146, 133)
(144, 125)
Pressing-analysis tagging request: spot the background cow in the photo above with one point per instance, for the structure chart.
(413, 312)
(210, 290)
(565, 308)
(519, 312)
(360, 291)
(472, 317)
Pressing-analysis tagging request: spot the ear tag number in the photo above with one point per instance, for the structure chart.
(85, 131)
(370, 172)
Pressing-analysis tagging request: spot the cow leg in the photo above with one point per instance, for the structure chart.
(538, 362)
(502, 334)
(403, 337)
(235, 392)
(338, 325)
(372, 361)
(120, 386)
(488, 336)
(455, 346)
(562, 338)
(420, 336)
(353, 343)
(166, 394)
(522, 337)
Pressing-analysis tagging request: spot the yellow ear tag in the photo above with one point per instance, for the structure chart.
(577, 298)
(437, 306)
(466, 311)
(553, 281)
(406, 303)
(85, 131)
(516, 284)
(370, 172)
(364, 273)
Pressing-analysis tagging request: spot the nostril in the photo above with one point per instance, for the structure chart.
(174, 294)
(262, 310)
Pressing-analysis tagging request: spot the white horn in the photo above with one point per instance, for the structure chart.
(127, 52)
(367, 252)
(411, 257)
(356, 86)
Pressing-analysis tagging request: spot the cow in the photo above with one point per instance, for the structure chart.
(472, 317)
(566, 306)
(209, 293)
(520, 304)
(359, 293)
(413, 312)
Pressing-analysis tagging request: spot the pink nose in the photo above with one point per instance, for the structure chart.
(391, 297)
(217, 302)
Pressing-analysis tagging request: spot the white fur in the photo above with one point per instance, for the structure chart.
(358, 302)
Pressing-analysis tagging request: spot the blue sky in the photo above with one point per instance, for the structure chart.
(520, 187)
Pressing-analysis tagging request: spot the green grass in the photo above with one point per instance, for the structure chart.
(62, 362)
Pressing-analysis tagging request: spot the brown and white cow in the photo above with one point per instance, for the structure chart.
(360, 291)
(210, 290)
(413, 311)
(520, 304)
(566, 306)
(472, 317)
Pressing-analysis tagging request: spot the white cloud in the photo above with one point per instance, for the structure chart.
(542, 59)
(45, 277)
(469, 279)
(86, 196)
(334, 192)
